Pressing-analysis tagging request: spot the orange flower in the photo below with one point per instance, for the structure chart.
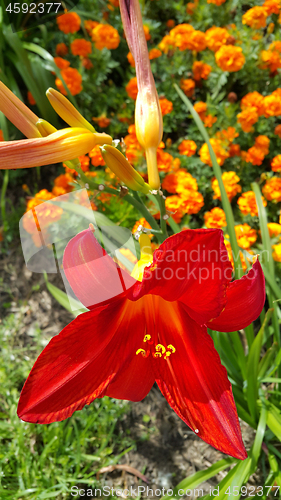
(248, 205)
(255, 17)
(274, 229)
(230, 58)
(96, 157)
(132, 88)
(215, 218)
(73, 81)
(170, 23)
(191, 6)
(201, 70)
(234, 150)
(253, 100)
(216, 37)
(69, 22)
(131, 59)
(167, 43)
(180, 36)
(90, 25)
(179, 181)
(87, 63)
(196, 41)
(220, 152)
(81, 47)
(277, 130)
(102, 121)
(187, 148)
(30, 98)
(61, 49)
(188, 86)
(216, 2)
(62, 184)
(166, 106)
(270, 60)
(230, 182)
(164, 160)
(272, 6)
(247, 118)
(255, 156)
(262, 142)
(154, 53)
(141, 222)
(272, 189)
(276, 254)
(104, 35)
(272, 105)
(227, 135)
(201, 108)
(276, 164)
(246, 236)
(61, 63)
(209, 120)
(174, 205)
(84, 163)
(146, 32)
(192, 201)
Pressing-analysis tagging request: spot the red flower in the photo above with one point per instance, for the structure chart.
(138, 332)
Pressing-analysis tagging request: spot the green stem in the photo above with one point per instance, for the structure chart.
(218, 173)
(163, 221)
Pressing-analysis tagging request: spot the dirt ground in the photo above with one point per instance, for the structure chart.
(167, 451)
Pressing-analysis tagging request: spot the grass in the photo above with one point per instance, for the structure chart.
(44, 461)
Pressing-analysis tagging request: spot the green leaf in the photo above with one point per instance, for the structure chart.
(64, 300)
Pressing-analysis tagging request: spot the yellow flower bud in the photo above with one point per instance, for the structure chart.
(67, 111)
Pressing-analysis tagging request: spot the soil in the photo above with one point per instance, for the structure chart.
(167, 450)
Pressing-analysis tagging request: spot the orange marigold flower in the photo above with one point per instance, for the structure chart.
(62, 184)
(81, 47)
(40, 197)
(220, 152)
(201, 70)
(167, 43)
(131, 59)
(154, 53)
(201, 108)
(166, 106)
(272, 189)
(192, 201)
(276, 254)
(216, 37)
(246, 236)
(276, 164)
(227, 135)
(272, 6)
(270, 60)
(253, 100)
(84, 163)
(61, 49)
(105, 36)
(272, 105)
(146, 32)
(30, 98)
(132, 88)
(255, 156)
(255, 17)
(190, 7)
(234, 150)
(96, 157)
(274, 229)
(164, 161)
(188, 86)
(215, 218)
(277, 130)
(181, 35)
(141, 222)
(248, 205)
(87, 63)
(230, 181)
(179, 181)
(247, 118)
(69, 22)
(90, 25)
(102, 121)
(115, 3)
(209, 120)
(187, 148)
(174, 205)
(61, 63)
(196, 41)
(262, 142)
(73, 81)
(230, 58)
(276, 45)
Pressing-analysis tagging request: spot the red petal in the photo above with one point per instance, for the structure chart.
(195, 383)
(193, 267)
(78, 365)
(245, 300)
(92, 274)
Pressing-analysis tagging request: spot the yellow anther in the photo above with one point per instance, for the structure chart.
(167, 354)
(161, 348)
(146, 338)
(171, 347)
(143, 353)
(157, 355)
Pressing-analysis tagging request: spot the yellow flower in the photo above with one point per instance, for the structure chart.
(230, 58)
(271, 189)
(187, 148)
(276, 164)
(276, 254)
(274, 229)
(248, 205)
(216, 37)
(255, 17)
(230, 182)
(105, 36)
(247, 118)
(246, 236)
(220, 152)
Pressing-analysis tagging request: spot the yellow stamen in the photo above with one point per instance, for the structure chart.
(161, 348)
(146, 338)
(144, 353)
(171, 347)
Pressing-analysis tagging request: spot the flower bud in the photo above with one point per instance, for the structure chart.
(67, 111)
